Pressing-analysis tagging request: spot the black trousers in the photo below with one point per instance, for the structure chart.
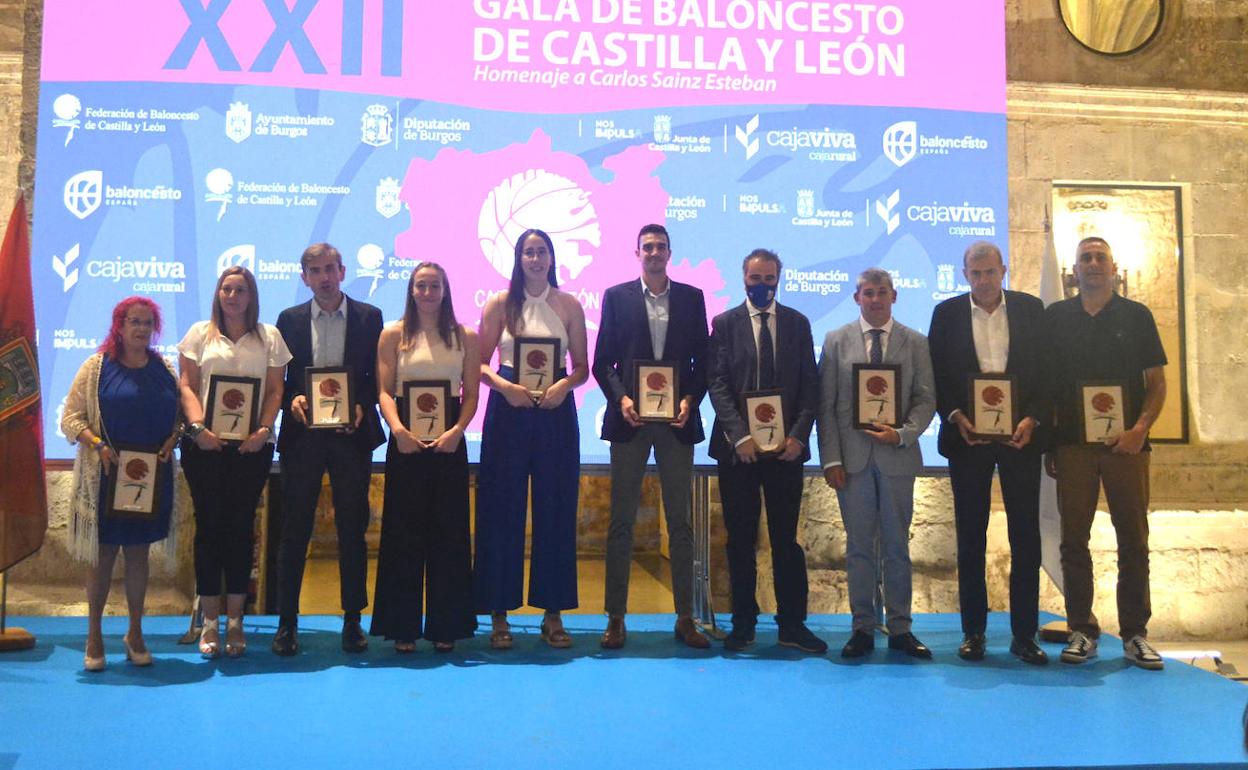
(971, 476)
(424, 570)
(740, 485)
(225, 487)
(303, 468)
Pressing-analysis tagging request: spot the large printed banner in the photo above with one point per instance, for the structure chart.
(179, 137)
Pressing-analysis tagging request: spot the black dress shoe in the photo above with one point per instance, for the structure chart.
(353, 639)
(1028, 651)
(910, 645)
(859, 644)
(801, 637)
(739, 638)
(972, 647)
(286, 641)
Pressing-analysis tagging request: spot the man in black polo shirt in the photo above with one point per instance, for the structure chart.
(1101, 337)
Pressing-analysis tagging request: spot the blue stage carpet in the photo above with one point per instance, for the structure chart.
(653, 704)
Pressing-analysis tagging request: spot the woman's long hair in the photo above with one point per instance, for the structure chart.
(448, 327)
(112, 344)
(252, 317)
(515, 290)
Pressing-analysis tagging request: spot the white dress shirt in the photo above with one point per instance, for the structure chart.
(658, 314)
(992, 336)
(866, 328)
(331, 325)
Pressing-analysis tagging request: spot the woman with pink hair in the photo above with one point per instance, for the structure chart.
(124, 394)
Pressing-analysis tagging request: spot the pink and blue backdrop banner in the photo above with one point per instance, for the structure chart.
(179, 137)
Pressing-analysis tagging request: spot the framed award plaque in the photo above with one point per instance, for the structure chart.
(658, 391)
(330, 395)
(233, 407)
(426, 408)
(134, 484)
(537, 361)
(876, 400)
(764, 415)
(993, 403)
(1102, 410)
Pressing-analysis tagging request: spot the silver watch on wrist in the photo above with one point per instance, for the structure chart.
(194, 429)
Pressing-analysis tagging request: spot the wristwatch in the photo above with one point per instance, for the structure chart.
(194, 429)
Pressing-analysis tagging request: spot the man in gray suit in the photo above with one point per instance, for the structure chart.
(873, 470)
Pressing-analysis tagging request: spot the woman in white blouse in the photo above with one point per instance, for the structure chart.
(226, 479)
(426, 547)
(529, 437)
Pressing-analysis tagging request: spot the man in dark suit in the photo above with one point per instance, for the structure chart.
(761, 345)
(652, 319)
(330, 330)
(991, 330)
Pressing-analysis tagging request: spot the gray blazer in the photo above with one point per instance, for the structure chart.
(838, 440)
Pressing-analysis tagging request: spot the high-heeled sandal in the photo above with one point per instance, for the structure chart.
(93, 664)
(143, 658)
(500, 636)
(210, 638)
(235, 642)
(558, 638)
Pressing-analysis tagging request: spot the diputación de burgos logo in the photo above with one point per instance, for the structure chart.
(537, 198)
(86, 191)
(902, 142)
(377, 126)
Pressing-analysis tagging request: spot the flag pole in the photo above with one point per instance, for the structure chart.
(11, 639)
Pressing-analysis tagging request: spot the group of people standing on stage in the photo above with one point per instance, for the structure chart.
(431, 586)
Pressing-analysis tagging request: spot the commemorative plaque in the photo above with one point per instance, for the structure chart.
(764, 415)
(330, 394)
(1102, 410)
(233, 407)
(993, 406)
(876, 399)
(537, 361)
(658, 389)
(134, 484)
(426, 408)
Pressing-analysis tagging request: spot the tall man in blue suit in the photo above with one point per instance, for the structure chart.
(873, 470)
(992, 330)
(763, 345)
(330, 330)
(654, 318)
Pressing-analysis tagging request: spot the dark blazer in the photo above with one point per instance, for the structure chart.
(624, 337)
(732, 370)
(359, 352)
(953, 358)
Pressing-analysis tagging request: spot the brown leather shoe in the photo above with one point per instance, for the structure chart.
(687, 632)
(615, 635)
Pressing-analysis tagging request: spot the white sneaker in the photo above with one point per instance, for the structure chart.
(1080, 648)
(1141, 653)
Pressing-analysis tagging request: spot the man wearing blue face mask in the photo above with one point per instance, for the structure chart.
(764, 388)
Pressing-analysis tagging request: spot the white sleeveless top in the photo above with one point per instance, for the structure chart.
(537, 319)
(430, 359)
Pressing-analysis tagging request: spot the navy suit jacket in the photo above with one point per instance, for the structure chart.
(954, 358)
(624, 337)
(359, 352)
(732, 369)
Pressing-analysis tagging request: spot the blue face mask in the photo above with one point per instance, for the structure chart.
(760, 294)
